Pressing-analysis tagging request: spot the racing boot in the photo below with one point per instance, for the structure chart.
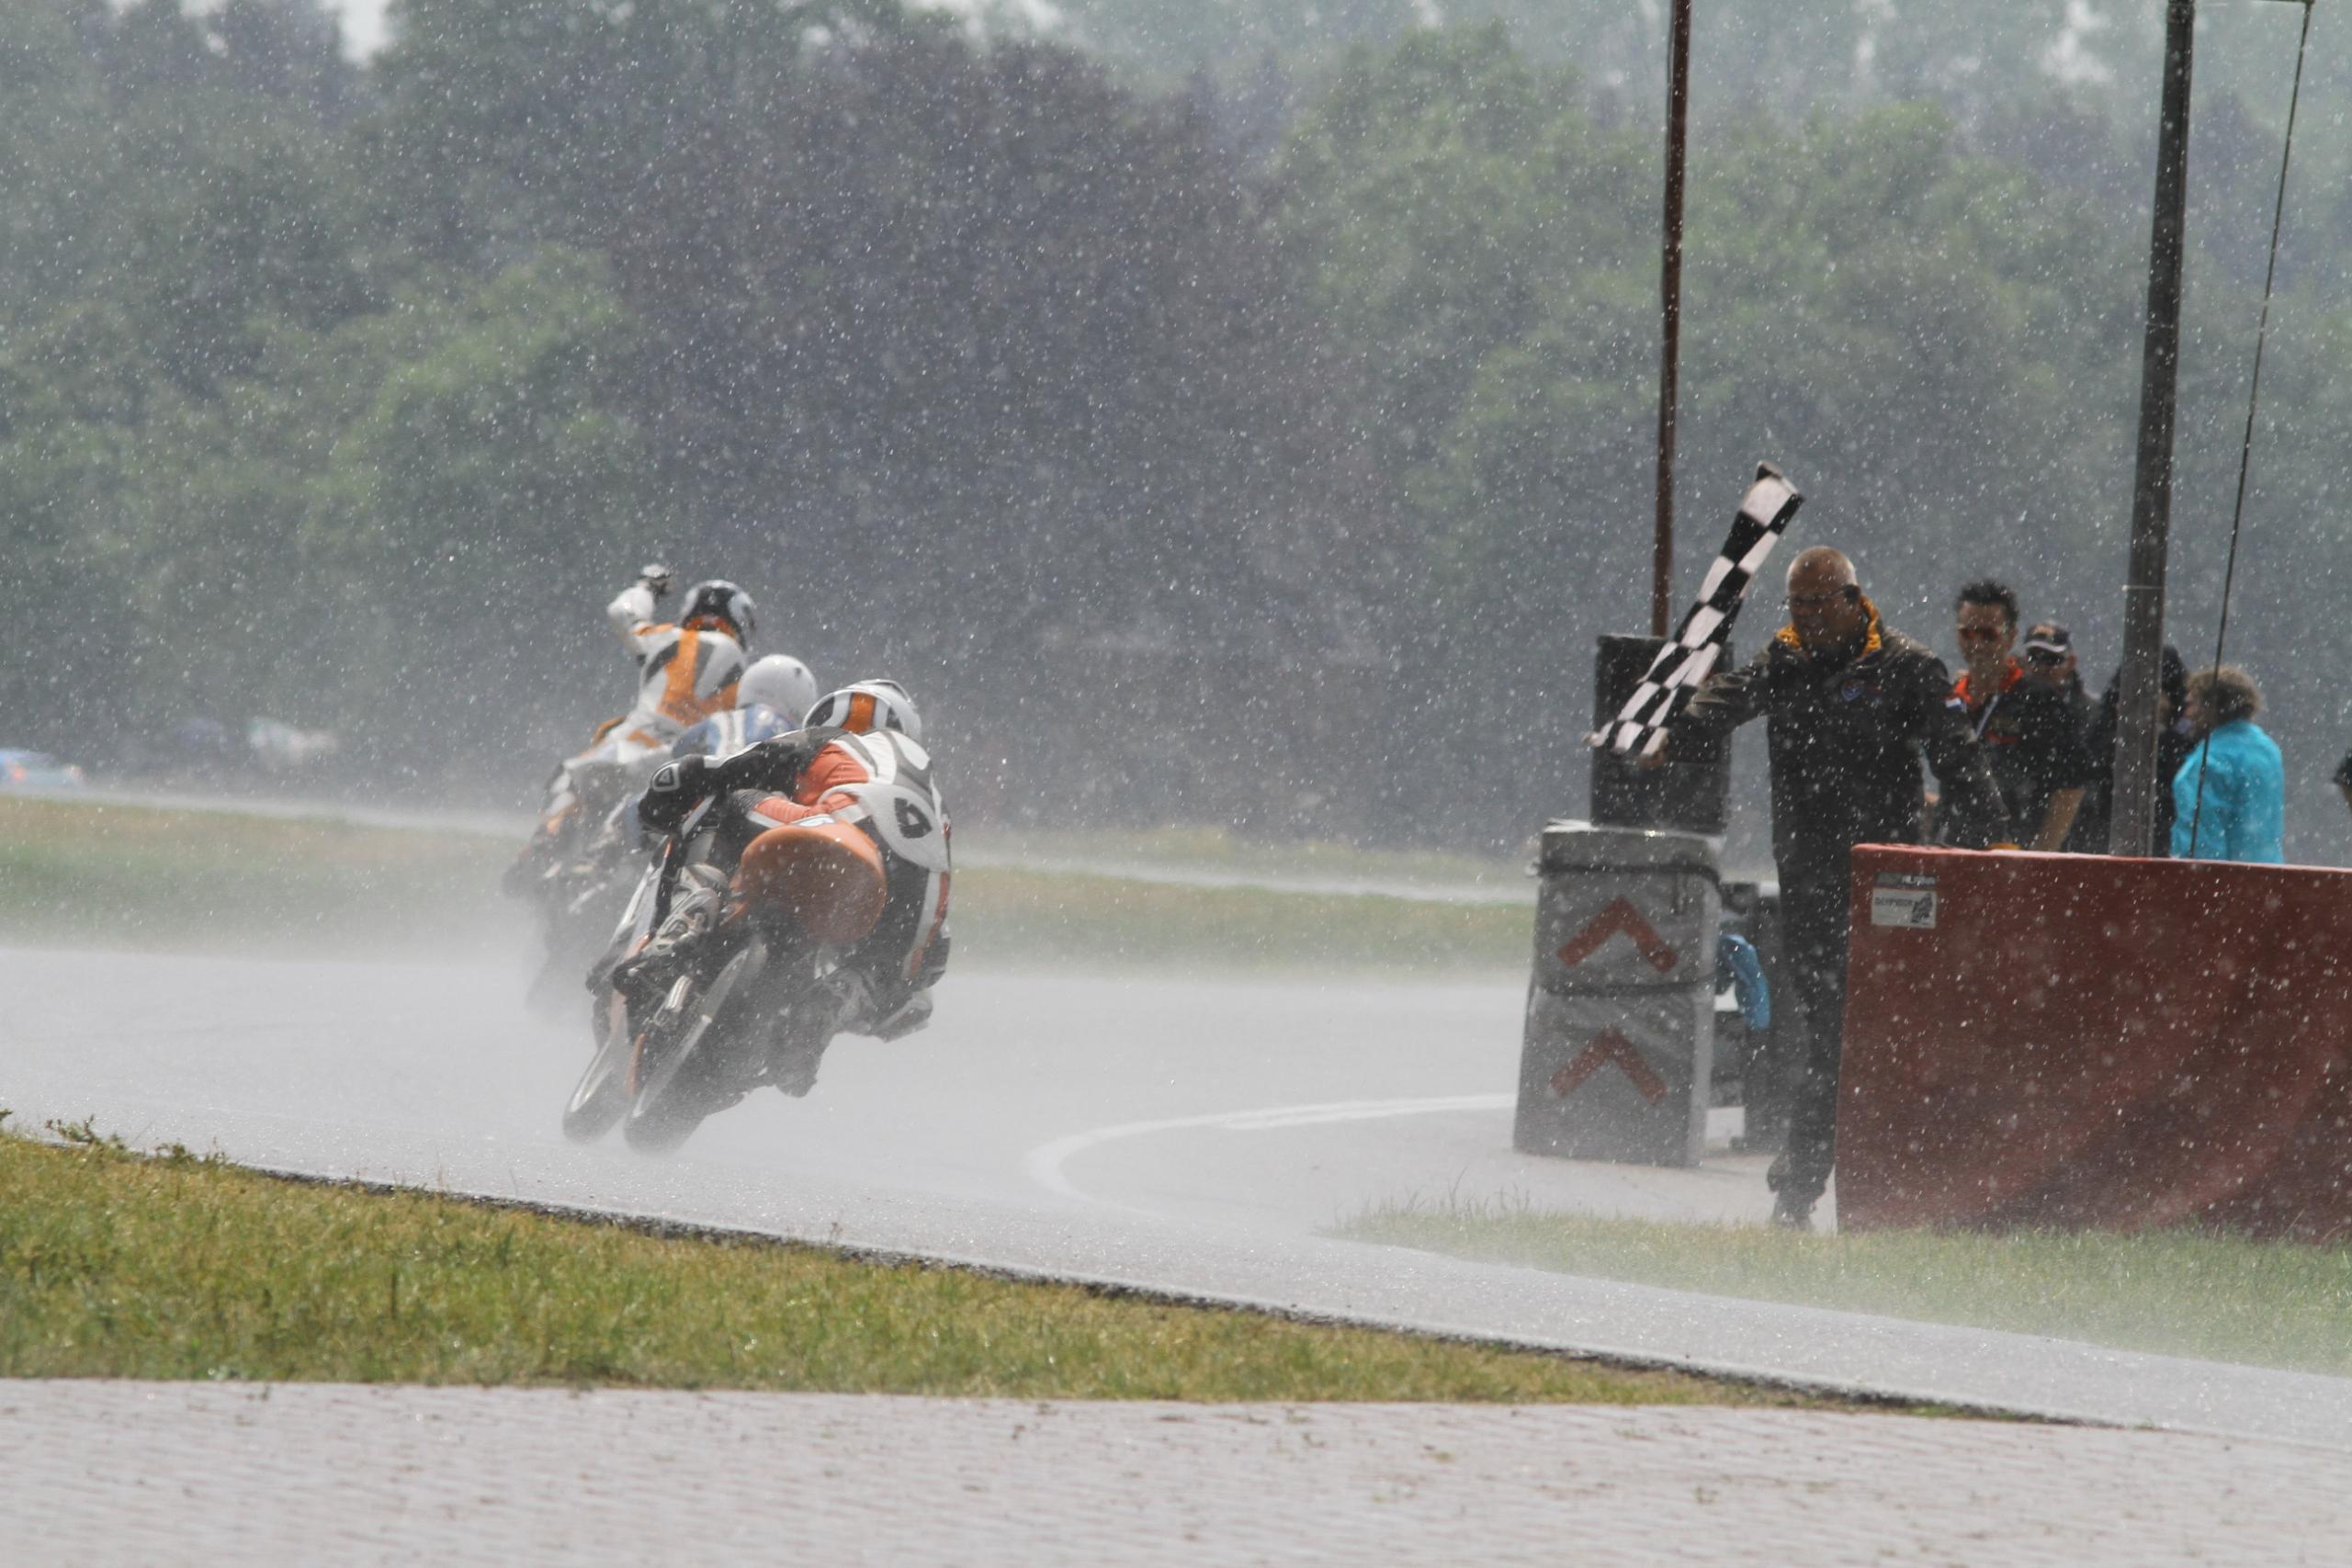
(886, 1012)
(694, 908)
(908, 1016)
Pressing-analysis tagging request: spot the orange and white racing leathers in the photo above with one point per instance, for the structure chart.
(882, 783)
(685, 675)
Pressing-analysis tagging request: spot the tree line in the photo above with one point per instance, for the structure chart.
(1187, 468)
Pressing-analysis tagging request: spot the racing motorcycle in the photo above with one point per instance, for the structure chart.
(581, 882)
(763, 993)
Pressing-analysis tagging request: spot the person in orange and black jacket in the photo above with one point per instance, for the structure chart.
(1851, 707)
(2032, 739)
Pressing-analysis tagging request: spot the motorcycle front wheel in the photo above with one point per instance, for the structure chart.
(683, 1081)
(601, 1097)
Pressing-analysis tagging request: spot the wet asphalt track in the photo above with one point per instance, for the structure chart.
(1189, 1136)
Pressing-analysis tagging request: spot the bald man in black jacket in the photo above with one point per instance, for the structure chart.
(1851, 708)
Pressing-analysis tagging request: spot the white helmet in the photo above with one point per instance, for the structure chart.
(865, 707)
(780, 681)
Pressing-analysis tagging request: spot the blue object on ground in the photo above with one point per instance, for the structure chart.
(1737, 967)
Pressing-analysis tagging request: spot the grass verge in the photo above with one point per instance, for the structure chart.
(1205, 848)
(100, 873)
(104, 873)
(115, 1265)
(2173, 1293)
(1073, 919)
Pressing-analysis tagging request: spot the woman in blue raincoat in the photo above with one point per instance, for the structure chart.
(2242, 813)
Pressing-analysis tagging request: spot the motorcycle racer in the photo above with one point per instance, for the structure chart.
(769, 699)
(771, 695)
(858, 761)
(686, 671)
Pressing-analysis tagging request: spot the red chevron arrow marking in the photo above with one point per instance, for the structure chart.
(1620, 916)
(1610, 1047)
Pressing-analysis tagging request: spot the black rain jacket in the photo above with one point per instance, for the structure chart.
(1847, 731)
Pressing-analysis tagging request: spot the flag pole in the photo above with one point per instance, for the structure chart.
(1678, 104)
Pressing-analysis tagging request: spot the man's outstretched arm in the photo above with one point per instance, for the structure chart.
(1728, 699)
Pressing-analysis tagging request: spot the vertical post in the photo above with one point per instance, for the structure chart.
(1678, 105)
(2143, 593)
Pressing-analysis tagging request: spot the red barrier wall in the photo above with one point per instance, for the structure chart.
(2077, 1041)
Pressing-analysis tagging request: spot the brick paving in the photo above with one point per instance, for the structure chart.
(129, 1472)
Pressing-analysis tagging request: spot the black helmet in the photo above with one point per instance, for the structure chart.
(720, 600)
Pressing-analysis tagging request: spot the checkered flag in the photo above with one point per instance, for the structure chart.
(1675, 675)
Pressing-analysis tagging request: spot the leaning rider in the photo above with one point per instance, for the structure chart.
(686, 671)
(769, 700)
(859, 759)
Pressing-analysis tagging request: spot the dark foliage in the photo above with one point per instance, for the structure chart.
(1231, 454)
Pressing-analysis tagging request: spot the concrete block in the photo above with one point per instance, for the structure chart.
(1616, 1077)
(1624, 910)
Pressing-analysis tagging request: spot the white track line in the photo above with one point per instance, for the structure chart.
(1043, 1162)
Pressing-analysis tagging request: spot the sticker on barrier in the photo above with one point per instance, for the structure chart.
(1905, 900)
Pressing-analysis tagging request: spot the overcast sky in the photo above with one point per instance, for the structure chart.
(363, 26)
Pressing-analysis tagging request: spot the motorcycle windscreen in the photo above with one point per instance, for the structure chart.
(828, 876)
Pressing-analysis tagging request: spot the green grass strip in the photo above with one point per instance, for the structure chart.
(2173, 1292)
(112, 1265)
(131, 875)
(1210, 848)
(1076, 919)
(99, 872)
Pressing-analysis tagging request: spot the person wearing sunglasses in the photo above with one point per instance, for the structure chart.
(1851, 707)
(2030, 734)
(2048, 654)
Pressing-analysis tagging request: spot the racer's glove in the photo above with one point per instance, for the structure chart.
(672, 794)
(658, 577)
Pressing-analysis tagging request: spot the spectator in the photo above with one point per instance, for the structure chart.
(2048, 654)
(2028, 729)
(1850, 707)
(2229, 800)
(2172, 741)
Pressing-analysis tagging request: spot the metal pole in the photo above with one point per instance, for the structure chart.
(2143, 593)
(1678, 104)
